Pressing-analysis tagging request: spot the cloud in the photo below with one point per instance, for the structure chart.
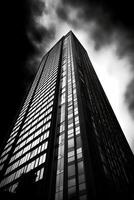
(37, 7)
(38, 34)
(129, 95)
(109, 25)
(62, 13)
(106, 36)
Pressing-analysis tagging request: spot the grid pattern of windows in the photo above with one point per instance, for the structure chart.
(16, 127)
(31, 147)
(69, 136)
(61, 128)
(76, 174)
(108, 135)
(66, 134)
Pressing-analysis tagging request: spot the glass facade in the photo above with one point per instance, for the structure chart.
(30, 136)
(67, 134)
(70, 157)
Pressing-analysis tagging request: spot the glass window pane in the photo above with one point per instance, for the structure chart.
(78, 141)
(71, 170)
(80, 167)
(82, 186)
(81, 178)
(71, 190)
(71, 143)
(71, 182)
(83, 197)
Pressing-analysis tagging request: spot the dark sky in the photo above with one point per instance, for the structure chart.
(18, 51)
(19, 55)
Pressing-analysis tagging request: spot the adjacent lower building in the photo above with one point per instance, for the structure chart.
(66, 143)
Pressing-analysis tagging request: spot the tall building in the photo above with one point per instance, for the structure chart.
(66, 142)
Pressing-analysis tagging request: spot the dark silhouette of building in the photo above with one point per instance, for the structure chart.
(66, 142)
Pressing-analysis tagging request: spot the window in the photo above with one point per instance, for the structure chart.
(70, 131)
(59, 195)
(71, 143)
(62, 118)
(61, 151)
(70, 159)
(81, 178)
(70, 135)
(63, 98)
(70, 126)
(61, 139)
(71, 190)
(71, 153)
(82, 186)
(59, 182)
(83, 197)
(71, 182)
(70, 111)
(62, 127)
(80, 167)
(70, 115)
(70, 121)
(71, 170)
(60, 165)
(78, 141)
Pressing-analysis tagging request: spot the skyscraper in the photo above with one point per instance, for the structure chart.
(66, 142)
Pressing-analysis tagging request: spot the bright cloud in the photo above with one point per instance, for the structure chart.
(113, 72)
